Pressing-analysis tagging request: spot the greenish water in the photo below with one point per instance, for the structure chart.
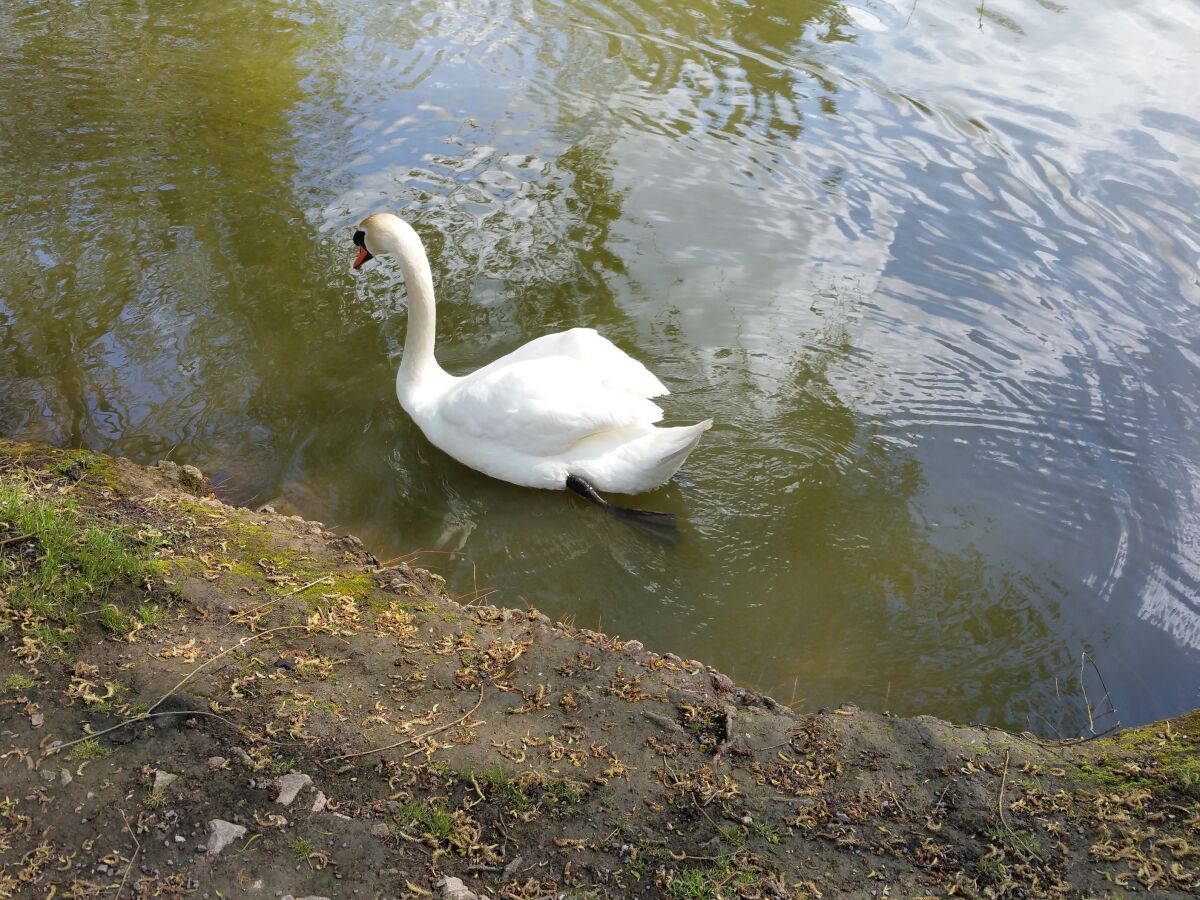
(932, 268)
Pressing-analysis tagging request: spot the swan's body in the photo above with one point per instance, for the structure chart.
(563, 405)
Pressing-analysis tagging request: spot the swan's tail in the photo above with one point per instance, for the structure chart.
(674, 444)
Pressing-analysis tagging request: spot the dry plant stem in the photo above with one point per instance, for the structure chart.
(16, 540)
(204, 665)
(137, 848)
(1003, 780)
(262, 606)
(411, 739)
(1087, 704)
(161, 700)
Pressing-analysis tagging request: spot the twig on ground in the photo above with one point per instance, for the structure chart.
(137, 848)
(163, 699)
(412, 738)
(204, 665)
(1003, 781)
(262, 606)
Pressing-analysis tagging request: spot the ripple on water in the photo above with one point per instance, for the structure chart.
(932, 268)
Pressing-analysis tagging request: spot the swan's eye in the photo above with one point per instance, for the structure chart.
(360, 238)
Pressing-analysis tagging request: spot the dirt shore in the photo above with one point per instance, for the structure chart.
(206, 701)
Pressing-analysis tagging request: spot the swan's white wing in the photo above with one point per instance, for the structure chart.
(540, 406)
(612, 367)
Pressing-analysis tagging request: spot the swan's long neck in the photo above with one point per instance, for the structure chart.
(418, 366)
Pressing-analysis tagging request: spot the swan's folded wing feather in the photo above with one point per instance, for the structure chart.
(613, 367)
(540, 406)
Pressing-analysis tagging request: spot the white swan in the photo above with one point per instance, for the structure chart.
(565, 411)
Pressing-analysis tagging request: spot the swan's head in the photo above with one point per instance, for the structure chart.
(368, 236)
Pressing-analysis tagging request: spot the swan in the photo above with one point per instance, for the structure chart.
(566, 411)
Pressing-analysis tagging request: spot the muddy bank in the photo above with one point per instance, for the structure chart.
(206, 701)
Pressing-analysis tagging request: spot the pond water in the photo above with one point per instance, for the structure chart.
(931, 267)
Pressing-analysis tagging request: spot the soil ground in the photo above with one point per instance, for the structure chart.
(262, 653)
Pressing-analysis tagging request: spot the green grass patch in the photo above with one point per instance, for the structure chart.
(565, 792)
(430, 818)
(91, 749)
(114, 621)
(302, 848)
(504, 789)
(701, 882)
(157, 800)
(1025, 844)
(732, 834)
(14, 684)
(765, 832)
(729, 875)
(55, 561)
(151, 614)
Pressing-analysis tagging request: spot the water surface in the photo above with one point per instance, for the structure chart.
(931, 267)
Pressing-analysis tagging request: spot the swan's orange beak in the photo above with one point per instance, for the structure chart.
(360, 241)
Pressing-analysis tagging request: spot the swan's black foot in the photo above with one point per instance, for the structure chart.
(585, 490)
(636, 516)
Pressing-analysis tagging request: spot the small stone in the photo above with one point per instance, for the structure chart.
(65, 776)
(453, 889)
(290, 785)
(511, 869)
(319, 803)
(666, 723)
(380, 830)
(163, 779)
(723, 683)
(191, 477)
(221, 834)
(102, 869)
(180, 839)
(37, 720)
(217, 762)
